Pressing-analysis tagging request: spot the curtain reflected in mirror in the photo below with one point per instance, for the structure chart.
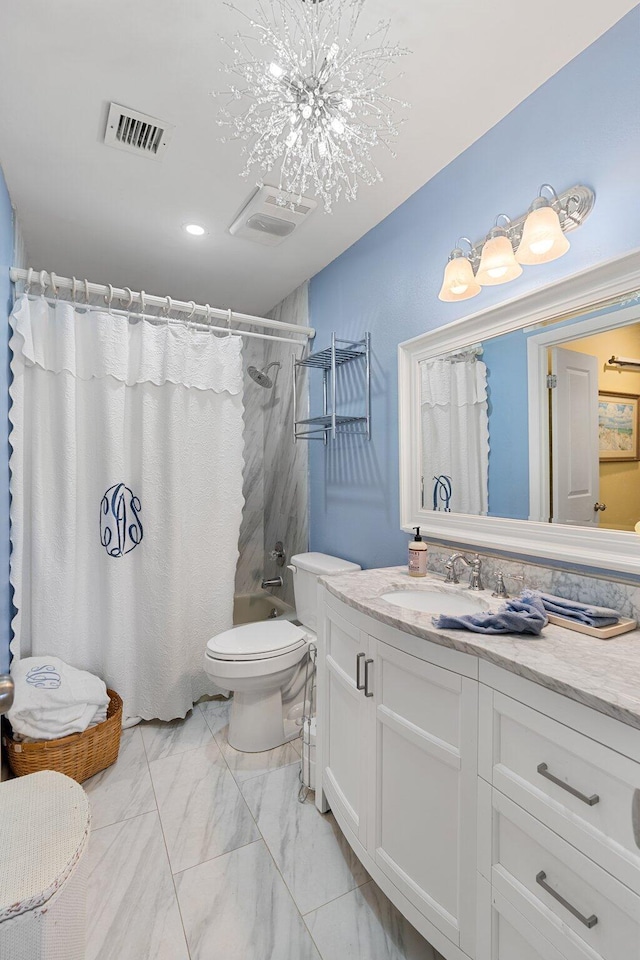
(455, 433)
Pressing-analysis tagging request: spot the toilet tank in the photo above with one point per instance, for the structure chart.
(306, 568)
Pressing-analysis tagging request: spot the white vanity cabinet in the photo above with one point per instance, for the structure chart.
(500, 817)
(399, 766)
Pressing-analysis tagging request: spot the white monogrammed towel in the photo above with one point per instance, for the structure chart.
(53, 699)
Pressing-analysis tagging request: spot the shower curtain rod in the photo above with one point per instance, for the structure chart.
(82, 288)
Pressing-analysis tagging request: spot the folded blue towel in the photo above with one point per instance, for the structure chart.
(515, 616)
(573, 610)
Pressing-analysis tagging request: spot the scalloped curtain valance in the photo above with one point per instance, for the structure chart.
(91, 343)
(459, 383)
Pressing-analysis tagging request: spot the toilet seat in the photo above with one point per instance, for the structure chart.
(257, 641)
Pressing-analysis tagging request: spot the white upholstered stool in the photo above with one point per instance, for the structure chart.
(44, 831)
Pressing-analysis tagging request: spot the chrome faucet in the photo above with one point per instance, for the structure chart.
(475, 565)
(501, 590)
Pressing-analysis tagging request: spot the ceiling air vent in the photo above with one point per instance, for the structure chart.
(271, 215)
(136, 132)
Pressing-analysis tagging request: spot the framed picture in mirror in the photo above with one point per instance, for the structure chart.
(618, 426)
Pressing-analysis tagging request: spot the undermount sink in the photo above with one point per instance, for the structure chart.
(436, 601)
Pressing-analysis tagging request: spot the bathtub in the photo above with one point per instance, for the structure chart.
(252, 607)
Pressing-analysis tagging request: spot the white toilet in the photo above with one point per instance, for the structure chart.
(263, 662)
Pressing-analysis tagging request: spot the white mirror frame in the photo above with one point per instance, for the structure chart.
(578, 546)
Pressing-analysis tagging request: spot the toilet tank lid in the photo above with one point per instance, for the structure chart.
(322, 564)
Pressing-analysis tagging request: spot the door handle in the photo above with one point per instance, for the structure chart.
(367, 692)
(359, 685)
(599, 506)
(588, 921)
(591, 801)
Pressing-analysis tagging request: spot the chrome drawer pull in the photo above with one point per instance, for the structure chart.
(543, 770)
(588, 921)
(367, 692)
(359, 685)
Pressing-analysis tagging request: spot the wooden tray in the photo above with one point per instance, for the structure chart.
(624, 625)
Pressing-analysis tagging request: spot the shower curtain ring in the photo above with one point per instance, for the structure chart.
(192, 304)
(127, 306)
(167, 310)
(27, 285)
(229, 315)
(208, 309)
(108, 298)
(142, 301)
(53, 285)
(74, 287)
(86, 291)
(43, 282)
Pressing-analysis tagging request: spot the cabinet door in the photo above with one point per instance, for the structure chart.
(423, 788)
(344, 715)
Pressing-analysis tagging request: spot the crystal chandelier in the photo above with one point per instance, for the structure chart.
(311, 97)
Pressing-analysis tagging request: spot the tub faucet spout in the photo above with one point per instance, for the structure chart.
(273, 582)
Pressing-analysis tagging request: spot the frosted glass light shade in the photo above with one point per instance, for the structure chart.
(459, 282)
(497, 264)
(542, 238)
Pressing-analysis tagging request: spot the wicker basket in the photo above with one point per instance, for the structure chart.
(79, 755)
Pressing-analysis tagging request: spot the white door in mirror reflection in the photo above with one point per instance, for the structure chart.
(574, 437)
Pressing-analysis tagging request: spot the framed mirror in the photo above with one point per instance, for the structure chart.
(519, 424)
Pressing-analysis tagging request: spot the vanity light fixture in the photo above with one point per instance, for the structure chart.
(459, 281)
(542, 237)
(537, 236)
(497, 263)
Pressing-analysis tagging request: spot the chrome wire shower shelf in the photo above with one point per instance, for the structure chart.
(330, 423)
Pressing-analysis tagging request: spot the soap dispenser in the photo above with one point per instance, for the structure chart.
(417, 556)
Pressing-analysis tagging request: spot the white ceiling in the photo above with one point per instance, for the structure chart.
(89, 210)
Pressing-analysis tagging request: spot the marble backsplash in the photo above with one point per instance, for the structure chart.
(621, 596)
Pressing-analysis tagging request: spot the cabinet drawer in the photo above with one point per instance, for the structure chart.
(576, 905)
(586, 792)
(504, 934)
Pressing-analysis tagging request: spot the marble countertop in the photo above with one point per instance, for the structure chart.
(603, 674)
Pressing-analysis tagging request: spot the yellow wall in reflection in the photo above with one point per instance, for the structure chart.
(619, 481)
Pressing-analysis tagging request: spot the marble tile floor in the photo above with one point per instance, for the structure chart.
(199, 852)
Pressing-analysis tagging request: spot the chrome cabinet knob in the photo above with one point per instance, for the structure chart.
(599, 506)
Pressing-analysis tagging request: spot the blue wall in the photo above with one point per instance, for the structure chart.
(6, 260)
(582, 126)
(506, 360)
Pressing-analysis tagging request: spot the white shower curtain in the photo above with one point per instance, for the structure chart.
(126, 497)
(455, 434)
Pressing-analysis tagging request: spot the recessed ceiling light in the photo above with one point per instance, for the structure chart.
(195, 229)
